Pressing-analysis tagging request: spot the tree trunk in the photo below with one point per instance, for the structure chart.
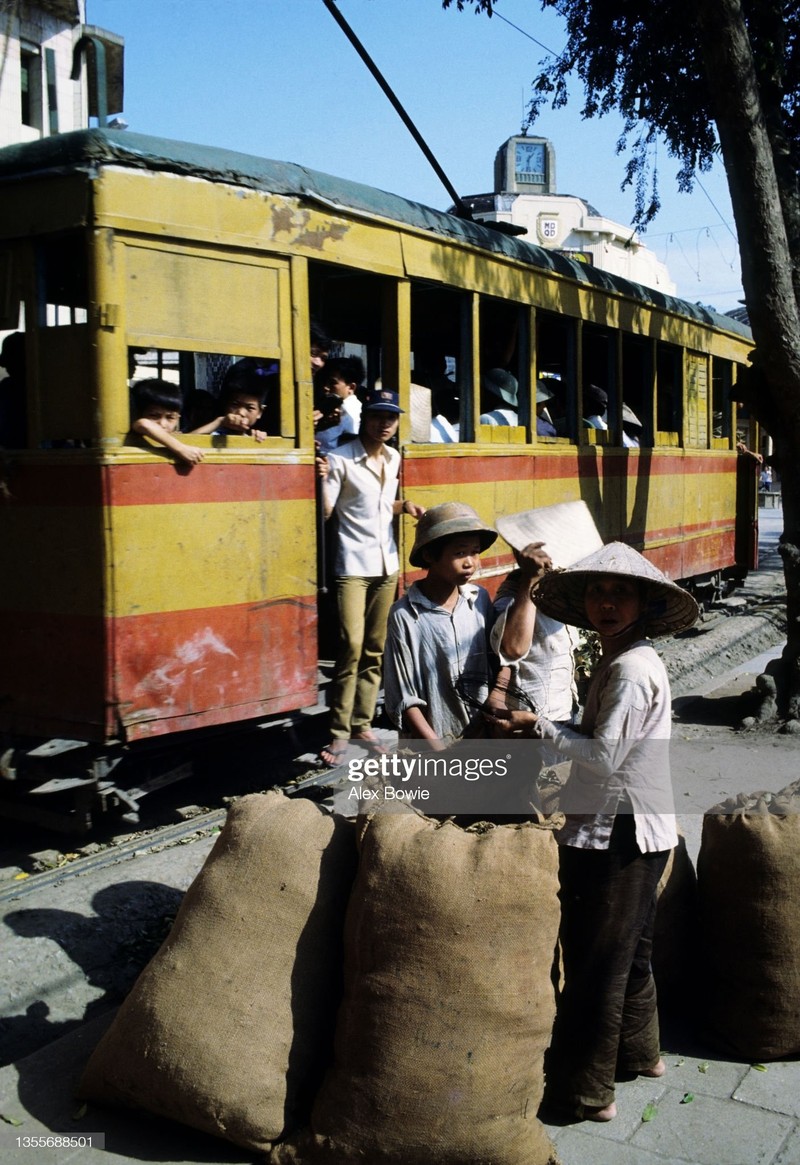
(773, 389)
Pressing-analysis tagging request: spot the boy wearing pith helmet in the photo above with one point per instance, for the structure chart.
(620, 823)
(437, 645)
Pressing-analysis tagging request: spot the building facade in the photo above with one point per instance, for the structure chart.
(39, 95)
(525, 196)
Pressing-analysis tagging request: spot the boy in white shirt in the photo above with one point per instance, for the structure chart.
(343, 377)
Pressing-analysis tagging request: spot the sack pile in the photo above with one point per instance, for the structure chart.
(448, 1003)
(447, 1010)
(229, 1027)
(749, 886)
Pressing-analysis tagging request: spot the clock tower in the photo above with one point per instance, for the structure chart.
(525, 165)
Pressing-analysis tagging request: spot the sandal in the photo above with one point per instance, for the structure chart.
(332, 755)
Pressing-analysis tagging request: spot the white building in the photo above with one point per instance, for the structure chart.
(525, 196)
(38, 94)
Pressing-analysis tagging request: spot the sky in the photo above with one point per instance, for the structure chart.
(278, 79)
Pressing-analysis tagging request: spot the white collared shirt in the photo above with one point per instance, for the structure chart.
(499, 417)
(621, 755)
(546, 673)
(363, 499)
(351, 413)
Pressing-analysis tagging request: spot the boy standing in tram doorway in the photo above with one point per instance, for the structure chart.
(360, 483)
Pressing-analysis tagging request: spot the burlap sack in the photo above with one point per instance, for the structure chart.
(675, 938)
(448, 1003)
(230, 1026)
(748, 877)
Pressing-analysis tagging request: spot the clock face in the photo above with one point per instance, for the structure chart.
(529, 161)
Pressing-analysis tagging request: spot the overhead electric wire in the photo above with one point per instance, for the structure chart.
(496, 15)
(461, 208)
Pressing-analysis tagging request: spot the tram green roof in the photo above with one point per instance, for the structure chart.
(96, 147)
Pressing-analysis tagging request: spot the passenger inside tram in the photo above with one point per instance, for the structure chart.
(430, 372)
(156, 414)
(321, 345)
(544, 421)
(631, 428)
(242, 400)
(595, 407)
(344, 378)
(499, 391)
(13, 404)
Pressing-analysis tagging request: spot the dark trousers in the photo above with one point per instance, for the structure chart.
(606, 1021)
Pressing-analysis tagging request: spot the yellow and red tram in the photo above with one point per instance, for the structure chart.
(141, 599)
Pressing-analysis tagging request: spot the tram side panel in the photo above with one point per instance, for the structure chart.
(680, 507)
(140, 601)
(52, 627)
(213, 615)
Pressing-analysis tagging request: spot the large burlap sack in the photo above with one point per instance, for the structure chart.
(748, 877)
(448, 1003)
(230, 1026)
(675, 938)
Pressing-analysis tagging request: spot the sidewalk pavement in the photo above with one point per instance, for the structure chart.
(74, 940)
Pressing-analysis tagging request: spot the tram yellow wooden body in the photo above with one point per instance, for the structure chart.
(139, 598)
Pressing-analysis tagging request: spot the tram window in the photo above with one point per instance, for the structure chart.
(13, 392)
(201, 378)
(354, 308)
(62, 282)
(555, 368)
(504, 369)
(599, 372)
(669, 389)
(721, 406)
(438, 393)
(637, 386)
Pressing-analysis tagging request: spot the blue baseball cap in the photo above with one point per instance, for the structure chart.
(382, 400)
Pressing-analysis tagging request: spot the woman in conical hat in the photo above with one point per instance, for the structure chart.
(620, 823)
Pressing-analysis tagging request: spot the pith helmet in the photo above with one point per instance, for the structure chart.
(446, 519)
(670, 609)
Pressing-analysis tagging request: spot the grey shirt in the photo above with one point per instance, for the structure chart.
(428, 649)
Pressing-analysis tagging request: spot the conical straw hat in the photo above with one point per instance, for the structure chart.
(670, 609)
(567, 530)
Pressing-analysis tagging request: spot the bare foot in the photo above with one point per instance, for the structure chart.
(332, 754)
(657, 1070)
(606, 1113)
